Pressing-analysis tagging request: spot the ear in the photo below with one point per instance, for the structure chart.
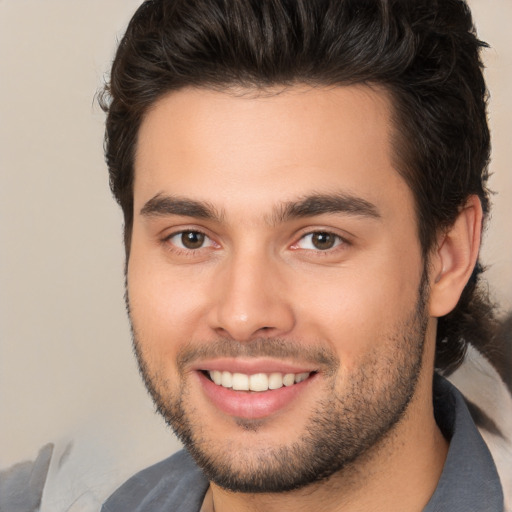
(454, 258)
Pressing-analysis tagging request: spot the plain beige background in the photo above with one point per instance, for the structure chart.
(66, 368)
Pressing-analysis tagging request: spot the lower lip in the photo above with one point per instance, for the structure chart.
(250, 404)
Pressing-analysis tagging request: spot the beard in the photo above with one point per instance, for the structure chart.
(347, 424)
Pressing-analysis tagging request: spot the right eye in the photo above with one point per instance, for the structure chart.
(190, 240)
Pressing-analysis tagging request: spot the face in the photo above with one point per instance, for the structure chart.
(275, 280)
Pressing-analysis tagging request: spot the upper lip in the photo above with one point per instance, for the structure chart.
(252, 366)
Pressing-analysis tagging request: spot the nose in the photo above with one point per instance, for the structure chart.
(251, 299)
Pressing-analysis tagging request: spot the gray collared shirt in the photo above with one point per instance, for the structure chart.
(469, 481)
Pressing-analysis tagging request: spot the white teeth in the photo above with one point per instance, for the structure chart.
(240, 382)
(289, 379)
(216, 377)
(257, 381)
(300, 377)
(227, 380)
(275, 381)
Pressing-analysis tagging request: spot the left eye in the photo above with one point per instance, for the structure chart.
(190, 240)
(319, 241)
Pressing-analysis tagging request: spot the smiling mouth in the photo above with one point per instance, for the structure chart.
(258, 382)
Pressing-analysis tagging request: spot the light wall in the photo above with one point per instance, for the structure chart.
(66, 368)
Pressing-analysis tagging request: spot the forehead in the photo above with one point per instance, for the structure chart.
(241, 147)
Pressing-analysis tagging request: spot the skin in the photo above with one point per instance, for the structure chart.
(259, 277)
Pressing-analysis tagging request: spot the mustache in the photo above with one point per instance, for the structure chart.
(276, 348)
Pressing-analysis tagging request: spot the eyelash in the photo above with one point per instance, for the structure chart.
(166, 241)
(339, 242)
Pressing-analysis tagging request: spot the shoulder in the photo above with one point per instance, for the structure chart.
(469, 480)
(488, 395)
(176, 480)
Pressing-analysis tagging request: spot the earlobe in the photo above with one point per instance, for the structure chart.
(453, 260)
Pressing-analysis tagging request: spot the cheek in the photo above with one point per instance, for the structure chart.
(164, 309)
(356, 311)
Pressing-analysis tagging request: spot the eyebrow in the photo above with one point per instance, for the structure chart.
(310, 206)
(163, 205)
(320, 204)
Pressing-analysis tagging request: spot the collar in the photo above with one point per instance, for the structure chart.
(469, 480)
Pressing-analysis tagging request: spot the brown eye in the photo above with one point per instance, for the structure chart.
(323, 241)
(188, 241)
(192, 239)
(319, 241)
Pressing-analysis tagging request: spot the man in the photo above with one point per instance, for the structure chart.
(303, 186)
